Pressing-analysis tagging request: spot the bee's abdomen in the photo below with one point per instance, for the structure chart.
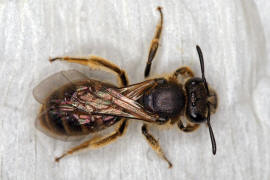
(60, 117)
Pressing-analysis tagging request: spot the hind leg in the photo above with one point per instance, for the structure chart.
(95, 62)
(98, 141)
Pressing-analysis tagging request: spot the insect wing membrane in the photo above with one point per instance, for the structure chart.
(69, 112)
(45, 88)
(84, 107)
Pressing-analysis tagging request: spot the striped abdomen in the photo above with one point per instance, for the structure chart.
(67, 110)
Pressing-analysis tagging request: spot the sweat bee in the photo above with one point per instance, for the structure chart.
(80, 106)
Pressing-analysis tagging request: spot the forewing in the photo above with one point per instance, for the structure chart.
(119, 102)
(124, 106)
(94, 105)
(42, 91)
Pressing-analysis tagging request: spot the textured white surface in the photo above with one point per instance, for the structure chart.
(234, 45)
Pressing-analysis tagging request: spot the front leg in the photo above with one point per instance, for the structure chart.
(189, 126)
(185, 72)
(154, 45)
(154, 144)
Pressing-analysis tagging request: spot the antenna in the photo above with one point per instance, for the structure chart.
(202, 67)
(213, 141)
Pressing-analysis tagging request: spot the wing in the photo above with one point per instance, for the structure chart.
(77, 109)
(124, 102)
(46, 87)
(97, 98)
(62, 119)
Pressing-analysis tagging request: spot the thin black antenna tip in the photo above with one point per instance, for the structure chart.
(200, 54)
(198, 48)
(212, 137)
(202, 67)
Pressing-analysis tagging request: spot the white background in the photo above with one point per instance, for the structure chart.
(234, 36)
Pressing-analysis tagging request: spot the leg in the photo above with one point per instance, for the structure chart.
(188, 128)
(95, 62)
(154, 44)
(98, 141)
(183, 71)
(154, 144)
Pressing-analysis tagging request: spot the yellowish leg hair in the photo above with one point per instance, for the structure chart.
(185, 72)
(154, 144)
(189, 127)
(95, 62)
(154, 44)
(98, 142)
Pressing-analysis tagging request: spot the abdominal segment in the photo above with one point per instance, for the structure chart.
(68, 111)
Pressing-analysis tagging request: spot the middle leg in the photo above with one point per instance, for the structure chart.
(95, 62)
(154, 144)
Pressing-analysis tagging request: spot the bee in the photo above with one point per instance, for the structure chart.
(80, 106)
